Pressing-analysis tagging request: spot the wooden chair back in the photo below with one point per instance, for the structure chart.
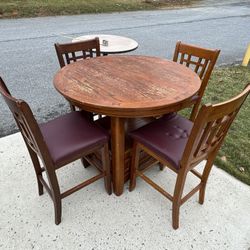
(201, 61)
(210, 128)
(71, 52)
(26, 123)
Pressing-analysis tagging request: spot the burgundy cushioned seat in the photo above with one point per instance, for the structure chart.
(167, 136)
(70, 134)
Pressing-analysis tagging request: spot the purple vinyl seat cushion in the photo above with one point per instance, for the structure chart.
(167, 137)
(70, 135)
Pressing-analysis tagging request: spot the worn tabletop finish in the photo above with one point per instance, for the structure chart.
(126, 87)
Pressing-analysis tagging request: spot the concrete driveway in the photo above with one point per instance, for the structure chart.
(93, 220)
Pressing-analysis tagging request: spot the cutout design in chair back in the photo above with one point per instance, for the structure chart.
(210, 128)
(201, 60)
(24, 119)
(71, 52)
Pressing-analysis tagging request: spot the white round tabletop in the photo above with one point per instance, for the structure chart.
(111, 44)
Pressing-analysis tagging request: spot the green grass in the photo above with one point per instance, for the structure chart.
(234, 156)
(32, 8)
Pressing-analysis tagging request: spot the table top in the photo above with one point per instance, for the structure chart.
(114, 44)
(127, 86)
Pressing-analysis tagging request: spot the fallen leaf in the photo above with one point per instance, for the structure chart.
(242, 169)
(224, 158)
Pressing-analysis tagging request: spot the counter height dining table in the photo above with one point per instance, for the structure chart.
(126, 88)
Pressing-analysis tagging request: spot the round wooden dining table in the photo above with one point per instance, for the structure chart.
(123, 87)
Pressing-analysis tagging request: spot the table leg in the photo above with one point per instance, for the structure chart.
(118, 152)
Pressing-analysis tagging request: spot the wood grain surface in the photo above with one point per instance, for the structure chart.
(127, 86)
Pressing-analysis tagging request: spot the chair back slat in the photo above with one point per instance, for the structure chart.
(201, 60)
(210, 128)
(27, 134)
(197, 65)
(205, 134)
(72, 52)
(182, 58)
(203, 68)
(74, 56)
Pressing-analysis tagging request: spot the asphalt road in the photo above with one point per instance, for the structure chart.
(28, 60)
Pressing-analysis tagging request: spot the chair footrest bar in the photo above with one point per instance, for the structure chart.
(155, 186)
(196, 173)
(148, 167)
(94, 161)
(192, 192)
(82, 185)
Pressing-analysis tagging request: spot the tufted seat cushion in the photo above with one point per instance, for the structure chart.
(70, 135)
(166, 136)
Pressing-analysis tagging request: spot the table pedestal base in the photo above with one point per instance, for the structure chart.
(121, 170)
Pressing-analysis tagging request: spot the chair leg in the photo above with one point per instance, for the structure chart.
(106, 168)
(58, 209)
(161, 166)
(37, 168)
(204, 178)
(179, 186)
(57, 201)
(134, 166)
(85, 163)
(55, 193)
(72, 107)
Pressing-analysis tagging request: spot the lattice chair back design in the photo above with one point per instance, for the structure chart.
(57, 143)
(181, 145)
(202, 62)
(71, 52)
